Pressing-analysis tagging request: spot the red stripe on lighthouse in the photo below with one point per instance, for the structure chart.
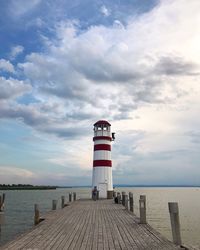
(102, 163)
(102, 138)
(102, 147)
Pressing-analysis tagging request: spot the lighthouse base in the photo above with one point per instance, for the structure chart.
(110, 194)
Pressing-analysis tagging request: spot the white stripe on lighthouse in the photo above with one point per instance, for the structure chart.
(102, 142)
(102, 155)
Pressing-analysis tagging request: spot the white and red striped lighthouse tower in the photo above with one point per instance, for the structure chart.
(102, 163)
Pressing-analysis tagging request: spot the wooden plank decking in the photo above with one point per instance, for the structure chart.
(88, 224)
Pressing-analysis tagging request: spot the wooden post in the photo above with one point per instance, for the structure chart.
(74, 194)
(123, 198)
(2, 200)
(131, 202)
(2, 218)
(54, 204)
(126, 202)
(37, 214)
(142, 202)
(4, 197)
(118, 198)
(0, 204)
(62, 201)
(70, 197)
(175, 223)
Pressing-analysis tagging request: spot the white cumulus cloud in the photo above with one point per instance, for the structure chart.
(15, 51)
(6, 66)
(105, 11)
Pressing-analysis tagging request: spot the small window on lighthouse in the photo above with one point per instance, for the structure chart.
(105, 128)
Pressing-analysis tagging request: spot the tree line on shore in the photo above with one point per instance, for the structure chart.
(24, 186)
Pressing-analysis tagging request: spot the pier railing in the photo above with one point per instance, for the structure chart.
(37, 215)
(128, 202)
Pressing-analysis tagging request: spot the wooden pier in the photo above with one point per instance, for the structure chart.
(87, 224)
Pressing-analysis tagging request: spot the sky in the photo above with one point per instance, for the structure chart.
(66, 64)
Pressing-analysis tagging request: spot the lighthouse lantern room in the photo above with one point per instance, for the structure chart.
(102, 163)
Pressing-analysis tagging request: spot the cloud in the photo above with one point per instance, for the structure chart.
(21, 7)
(37, 117)
(12, 88)
(15, 51)
(11, 174)
(176, 66)
(109, 71)
(142, 157)
(6, 66)
(17, 175)
(194, 137)
(104, 10)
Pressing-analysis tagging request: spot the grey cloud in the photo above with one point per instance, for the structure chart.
(160, 166)
(29, 115)
(66, 132)
(41, 121)
(194, 136)
(11, 88)
(175, 66)
(165, 167)
(100, 71)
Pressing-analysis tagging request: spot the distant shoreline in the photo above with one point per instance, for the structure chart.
(31, 187)
(137, 186)
(24, 187)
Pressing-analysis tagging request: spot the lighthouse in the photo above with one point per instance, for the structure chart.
(102, 163)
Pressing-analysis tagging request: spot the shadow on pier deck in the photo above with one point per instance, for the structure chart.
(87, 224)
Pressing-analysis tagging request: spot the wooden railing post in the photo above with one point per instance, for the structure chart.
(54, 204)
(175, 223)
(2, 216)
(126, 202)
(2, 219)
(37, 214)
(4, 197)
(70, 197)
(123, 198)
(74, 194)
(1, 203)
(118, 198)
(131, 202)
(142, 203)
(2, 200)
(62, 201)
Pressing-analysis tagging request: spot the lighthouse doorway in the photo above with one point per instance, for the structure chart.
(102, 187)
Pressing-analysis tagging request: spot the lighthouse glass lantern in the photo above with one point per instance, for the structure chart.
(102, 163)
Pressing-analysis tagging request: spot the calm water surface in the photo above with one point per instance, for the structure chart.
(19, 209)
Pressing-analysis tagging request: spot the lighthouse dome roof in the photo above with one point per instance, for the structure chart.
(102, 122)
